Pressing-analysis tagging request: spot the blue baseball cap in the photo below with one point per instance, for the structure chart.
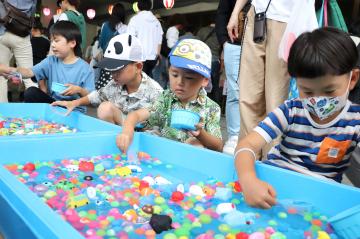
(192, 54)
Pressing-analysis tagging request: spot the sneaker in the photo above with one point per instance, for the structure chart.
(230, 145)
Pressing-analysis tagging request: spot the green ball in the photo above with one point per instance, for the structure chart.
(187, 226)
(170, 236)
(277, 235)
(123, 203)
(92, 217)
(235, 201)
(110, 232)
(315, 228)
(99, 168)
(282, 215)
(181, 232)
(157, 209)
(196, 224)
(82, 213)
(115, 204)
(101, 232)
(224, 228)
(272, 223)
(159, 200)
(308, 217)
(199, 209)
(50, 194)
(205, 219)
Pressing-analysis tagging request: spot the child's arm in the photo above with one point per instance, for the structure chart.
(207, 140)
(25, 72)
(124, 139)
(42, 86)
(71, 105)
(257, 193)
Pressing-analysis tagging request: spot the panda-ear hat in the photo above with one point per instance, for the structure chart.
(122, 50)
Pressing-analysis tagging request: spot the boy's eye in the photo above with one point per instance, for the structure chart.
(329, 91)
(174, 75)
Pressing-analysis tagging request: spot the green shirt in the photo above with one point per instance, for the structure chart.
(160, 115)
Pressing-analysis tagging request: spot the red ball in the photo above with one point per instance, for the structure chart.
(237, 187)
(29, 167)
(242, 235)
(143, 184)
(86, 166)
(177, 196)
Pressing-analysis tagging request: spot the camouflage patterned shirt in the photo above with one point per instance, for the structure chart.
(149, 90)
(160, 115)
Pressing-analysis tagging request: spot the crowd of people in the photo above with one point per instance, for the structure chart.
(136, 74)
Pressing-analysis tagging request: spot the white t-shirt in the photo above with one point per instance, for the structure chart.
(172, 36)
(147, 28)
(279, 10)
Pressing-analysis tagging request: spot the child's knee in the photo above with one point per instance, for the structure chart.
(105, 110)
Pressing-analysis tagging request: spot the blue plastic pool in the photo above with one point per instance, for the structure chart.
(82, 123)
(36, 220)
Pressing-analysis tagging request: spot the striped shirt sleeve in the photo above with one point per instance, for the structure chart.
(275, 124)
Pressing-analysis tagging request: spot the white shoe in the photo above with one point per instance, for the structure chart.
(230, 145)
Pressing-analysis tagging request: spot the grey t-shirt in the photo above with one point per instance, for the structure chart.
(26, 6)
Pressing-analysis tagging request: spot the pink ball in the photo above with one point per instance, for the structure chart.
(257, 235)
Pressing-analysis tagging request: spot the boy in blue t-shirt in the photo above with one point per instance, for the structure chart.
(65, 67)
(319, 130)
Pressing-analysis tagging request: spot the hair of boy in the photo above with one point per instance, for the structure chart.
(75, 3)
(144, 5)
(117, 15)
(70, 32)
(324, 51)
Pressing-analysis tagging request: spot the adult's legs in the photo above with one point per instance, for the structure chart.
(232, 111)
(251, 79)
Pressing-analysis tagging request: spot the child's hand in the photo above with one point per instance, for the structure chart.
(71, 90)
(196, 133)
(70, 105)
(123, 141)
(6, 70)
(258, 193)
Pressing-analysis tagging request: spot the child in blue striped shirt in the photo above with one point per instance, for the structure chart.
(320, 129)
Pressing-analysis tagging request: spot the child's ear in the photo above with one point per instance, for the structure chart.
(205, 82)
(354, 78)
(139, 66)
(72, 44)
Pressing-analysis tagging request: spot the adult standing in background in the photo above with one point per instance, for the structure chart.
(13, 44)
(114, 26)
(176, 22)
(263, 79)
(232, 50)
(147, 28)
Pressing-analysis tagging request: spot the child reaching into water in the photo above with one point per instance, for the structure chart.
(320, 129)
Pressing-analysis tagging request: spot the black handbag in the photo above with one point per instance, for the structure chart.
(16, 21)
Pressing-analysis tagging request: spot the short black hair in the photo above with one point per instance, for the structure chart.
(321, 52)
(144, 5)
(75, 3)
(70, 32)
